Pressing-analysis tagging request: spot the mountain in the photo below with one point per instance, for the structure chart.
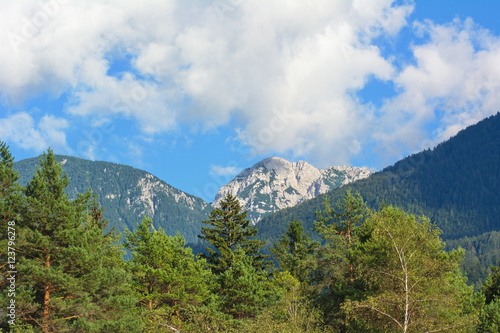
(127, 194)
(275, 183)
(456, 184)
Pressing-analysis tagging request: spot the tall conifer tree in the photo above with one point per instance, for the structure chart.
(10, 201)
(235, 258)
(167, 279)
(230, 229)
(73, 274)
(336, 275)
(294, 251)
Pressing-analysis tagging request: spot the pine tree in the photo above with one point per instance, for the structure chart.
(336, 276)
(10, 201)
(230, 230)
(294, 251)
(73, 274)
(167, 279)
(244, 291)
(489, 320)
(240, 272)
(340, 228)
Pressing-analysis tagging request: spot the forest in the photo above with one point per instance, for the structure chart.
(455, 184)
(371, 270)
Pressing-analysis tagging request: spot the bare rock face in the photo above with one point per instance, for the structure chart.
(275, 183)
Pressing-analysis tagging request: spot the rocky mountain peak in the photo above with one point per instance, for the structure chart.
(276, 183)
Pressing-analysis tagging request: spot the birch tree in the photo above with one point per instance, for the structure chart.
(414, 284)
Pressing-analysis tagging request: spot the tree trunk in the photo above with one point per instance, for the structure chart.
(46, 300)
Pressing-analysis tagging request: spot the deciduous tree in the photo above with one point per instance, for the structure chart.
(414, 283)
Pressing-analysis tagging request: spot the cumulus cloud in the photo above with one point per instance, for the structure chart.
(21, 129)
(453, 82)
(218, 170)
(288, 73)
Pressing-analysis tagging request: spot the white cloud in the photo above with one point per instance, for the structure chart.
(21, 129)
(218, 170)
(454, 82)
(286, 72)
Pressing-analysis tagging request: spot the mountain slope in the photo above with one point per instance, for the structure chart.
(457, 185)
(275, 183)
(127, 194)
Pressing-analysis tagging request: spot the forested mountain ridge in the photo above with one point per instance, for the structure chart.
(127, 194)
(275, 183)
(456, 184)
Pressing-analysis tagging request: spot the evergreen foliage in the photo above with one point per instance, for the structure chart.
(244, 290)
(480, 253)
(455, 184)
(119, 190)
(490, 313)
(71, 274)
(167, 279)
(336, 275)
(10, 200)
(230, 229)
(375, 270)
(236, 261)
(294, 251)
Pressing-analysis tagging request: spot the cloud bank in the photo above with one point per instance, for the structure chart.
(288, 74)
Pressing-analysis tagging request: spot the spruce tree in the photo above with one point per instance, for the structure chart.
(489, 320)
(294, 252)
(73, 275)
(230, 229)
(234, 257)
(336, 276)
(244, 291)
(167, 278)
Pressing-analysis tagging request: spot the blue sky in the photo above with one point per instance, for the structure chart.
(196, 91)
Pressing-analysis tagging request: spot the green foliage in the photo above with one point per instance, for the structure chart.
(373, 272)
(236, 260)
(244, 290)
(293, 313)
(119, 190)
(167, 279)
(10, 201)
(491, 288)
(230, 229)
(455, 184)
(9, 189)
(336, 274)
(481, 252)
(414, 284)
(72, 274)
(489, 320)
(294, 251)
